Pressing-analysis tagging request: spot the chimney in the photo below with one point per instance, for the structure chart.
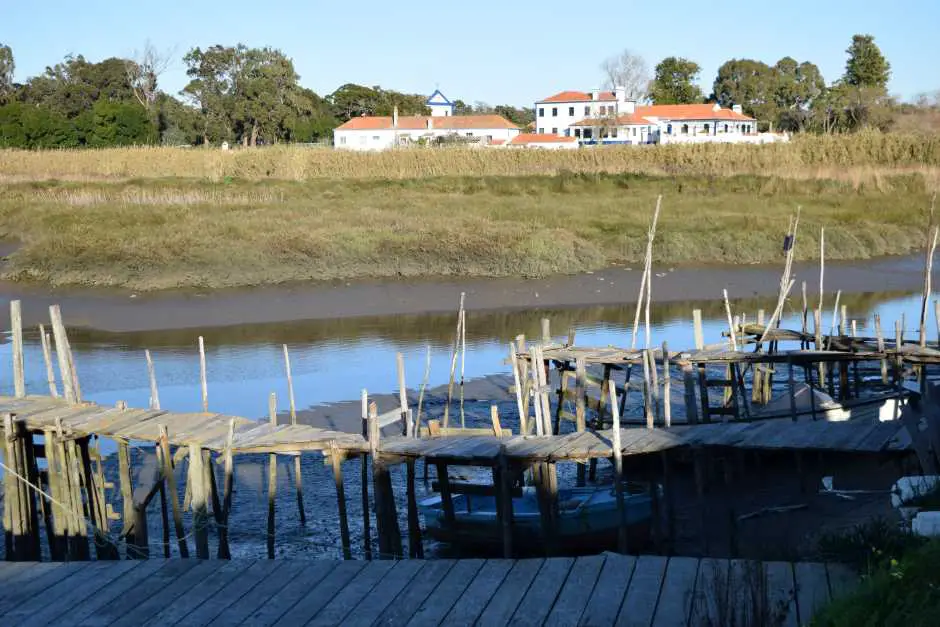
(628, 107)
(737, 109)
(395, 117)
(430, 123)
(595, 94)
(620, 93)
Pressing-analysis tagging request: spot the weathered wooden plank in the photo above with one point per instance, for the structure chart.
(198, 593)
(346, 600)
(127, 602)
(812, 589)
(576, 592)
(539, 599)
(639, 606)
(147, 608)
(238, 611)
(10, 569)
(475, 598)
(290, 593)
(114, 590)
(45, 608)
(410, 599)
(604, 604)
(368, 610)
(781, 593)
(438, 604)
(18, 592)
(311, 603)
(709, 602)
(675, 598)
(22, 572)
(505, 601)
(237, 587)
(842, 580)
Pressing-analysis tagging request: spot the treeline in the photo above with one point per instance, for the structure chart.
(235, 94)
(789, 95)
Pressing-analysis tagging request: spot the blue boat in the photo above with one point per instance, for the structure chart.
(587, 518)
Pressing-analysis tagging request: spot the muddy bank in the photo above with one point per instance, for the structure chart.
(118, 311)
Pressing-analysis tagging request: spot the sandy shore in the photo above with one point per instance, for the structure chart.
(117, 311)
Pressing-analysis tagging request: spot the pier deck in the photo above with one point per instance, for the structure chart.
(594, 590)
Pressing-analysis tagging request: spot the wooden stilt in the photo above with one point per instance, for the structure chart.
(104, 548)
(203, 380)
(386, 517)
(618, 472)
(697, 329)
(517, 383)
(197, 478)
(447, 500)
(336, 461)
(667, 389)
(152, 375)
(688, 380)
(172, 493)
(453, 362)
(21, 516)
(364, 481)
(272, 477)
(16, 325)
(63, 352)
(881, 349)
(135, 549)
(647, 391)
(415, 547)
(47, 358)
(227, 484)
(581, 409)
(298, 471)
(654, 384)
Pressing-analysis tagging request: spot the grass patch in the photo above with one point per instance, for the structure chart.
(158, 233)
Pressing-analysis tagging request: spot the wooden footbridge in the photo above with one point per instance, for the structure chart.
(598, 590)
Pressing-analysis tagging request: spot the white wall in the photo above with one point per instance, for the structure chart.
(560, 115)
(386, 138)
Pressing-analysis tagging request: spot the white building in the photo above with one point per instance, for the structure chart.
(544, 141)
(382, 132)
(608, 117)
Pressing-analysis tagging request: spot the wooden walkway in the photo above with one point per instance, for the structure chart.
(605, 589)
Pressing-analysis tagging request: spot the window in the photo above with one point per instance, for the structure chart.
(685, 129)
(469, 134)
(554, 112)
(613, 132)
(587, 133)
(571, 111)
(669, 129)
(342, 141)
(707, 128)
(567, 132)
(726, 128)
(541, 112)
(587, 109)
(554, 131)
(541, 131)
(577, 132)
(489, 138)
(603, 110)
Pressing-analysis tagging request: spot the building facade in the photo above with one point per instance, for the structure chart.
(384, 132)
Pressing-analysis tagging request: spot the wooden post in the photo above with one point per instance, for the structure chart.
(272, 477)
(447, 500)
(688, 380)
(463, 360)
(47, 358)
(936, 316)
(822, 267)
(517, 382)
(647, 392)
(805, 312)
(203, 382)
(928, 270)
(152, 375)
(21, 518)
(403, 395)
(172, 493)
(364, 480)
(503, 486)
(200, 502)
(546, 332)
(792, 387)
(424, 385)
(654, 383)
(731, 329)
(881, 349)
(817, 324)
(336, 460)
(898, 344)
(298, 471)
(97, 510)
(134, 533)
(618, 471)
(16, 325)
(64, 354)
(386, 517)
(227, 483)
(536, 386)
(580, 409)
(667, 389)
(58, 529)
(78, 534)
(697, 328)
(453, 362)
(415, 546)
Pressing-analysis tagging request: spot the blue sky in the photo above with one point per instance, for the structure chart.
(484, 50)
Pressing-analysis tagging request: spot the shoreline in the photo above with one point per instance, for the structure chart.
(120, 311)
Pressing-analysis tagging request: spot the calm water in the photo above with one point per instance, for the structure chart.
(333, 360)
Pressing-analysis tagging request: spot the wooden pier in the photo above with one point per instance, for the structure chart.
(608, 589)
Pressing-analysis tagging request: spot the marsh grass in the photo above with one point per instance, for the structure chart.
(165, 233)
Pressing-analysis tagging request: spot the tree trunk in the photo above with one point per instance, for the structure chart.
(254, 133)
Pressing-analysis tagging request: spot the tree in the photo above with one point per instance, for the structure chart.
(143, 71)
(117, 124)
(750, 84)
(798, 86)
(6, 72)
(673, 82)
(630, 71)
(866, 66)
(75, 85)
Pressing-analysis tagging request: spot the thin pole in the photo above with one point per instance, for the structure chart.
(644, 282)
(336, 461)
(734, 338)
(403, 394)
(618, 468)
(523, 419)
(928, 270)
(151, 374)
(835, 320)
(47, 357)
(667, 392)
(199, 502)
(298, 471)
(463, 360)
(453, 362)
(424, 385)
(63, 352)
(19, 373)
(227, 491)
(822, 264)
(202, 376)
(364, 479)
(272, 477)
(171, 489)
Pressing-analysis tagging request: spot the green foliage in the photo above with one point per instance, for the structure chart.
(868, 546)
(117, 124)
(6, 72)
(866, 66)
(673, 82)
(23, 126)
(352, 101)
(903, 592)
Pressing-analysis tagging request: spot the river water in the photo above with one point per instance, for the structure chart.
(332, 360)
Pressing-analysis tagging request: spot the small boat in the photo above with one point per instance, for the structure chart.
(587, 518)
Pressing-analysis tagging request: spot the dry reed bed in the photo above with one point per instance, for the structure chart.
(860, 155)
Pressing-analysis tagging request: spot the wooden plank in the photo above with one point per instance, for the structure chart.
(639, 606)
(578, 587)
(812, 589)
(43, 609)
(842, 580)
(147, 608)
(611, 588)
(346, 600)
(411, 598)
(504, 603)
(438, 604)
(16, 593)
(115, 590)
(237, 587)
(781, 593)
(475, 598)
(127, 602)
(367, 611)
(711, 583)
(675, 599)
(540, 597)
(312, 573)
(198, 593)
(238, 611)
(316, 598)
(10, 569)
(22, 572)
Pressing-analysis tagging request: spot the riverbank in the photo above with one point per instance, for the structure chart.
(127, 312)
(179, 234)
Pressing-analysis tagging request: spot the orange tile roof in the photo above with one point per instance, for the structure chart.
(420, 122)
(497, 142)
(540, 138)
(622, 120)
(578, 96)
(691, 112)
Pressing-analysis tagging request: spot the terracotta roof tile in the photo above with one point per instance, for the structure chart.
(419, 122)
(691, 112)
(540, 138)
(622, 120)
(578, 96)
